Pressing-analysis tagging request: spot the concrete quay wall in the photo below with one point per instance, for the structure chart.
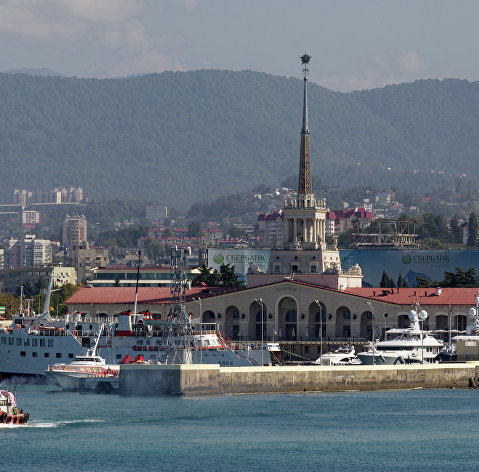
(201, 379)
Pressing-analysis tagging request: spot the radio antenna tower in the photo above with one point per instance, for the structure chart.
(177, 339)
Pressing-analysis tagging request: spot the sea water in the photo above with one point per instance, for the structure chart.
(420, 430)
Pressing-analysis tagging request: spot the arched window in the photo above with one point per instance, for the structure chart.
(320, 322)
(290, 324)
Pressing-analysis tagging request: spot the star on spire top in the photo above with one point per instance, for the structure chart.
(305, 58)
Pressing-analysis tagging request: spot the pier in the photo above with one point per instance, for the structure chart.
(201, 379)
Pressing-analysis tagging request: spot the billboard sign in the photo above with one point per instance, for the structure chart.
(410, 263)
(242, 259)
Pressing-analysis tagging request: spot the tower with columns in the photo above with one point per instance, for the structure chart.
(304, 249)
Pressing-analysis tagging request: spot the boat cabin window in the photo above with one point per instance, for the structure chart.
(389, 348)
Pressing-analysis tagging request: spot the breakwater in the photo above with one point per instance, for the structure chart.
(201, 379)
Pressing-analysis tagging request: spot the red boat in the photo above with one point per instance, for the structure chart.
(9, 413)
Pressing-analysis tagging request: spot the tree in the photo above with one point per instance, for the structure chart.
(345, 239)
(194, 229)
(229, 277)
(472, 230)
(168, 233)
(401, 282)
(57, 299)
(10, 303)
(238, 233)
(456, 230)
(226, 277)
(460, 278)
(154, 249)
(207, 276)
(386, 281)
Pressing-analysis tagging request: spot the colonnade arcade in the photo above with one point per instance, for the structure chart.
(306, 230)
(283, 321)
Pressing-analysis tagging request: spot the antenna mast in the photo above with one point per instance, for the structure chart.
(178, 328)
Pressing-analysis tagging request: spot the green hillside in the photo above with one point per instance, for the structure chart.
(188, 136)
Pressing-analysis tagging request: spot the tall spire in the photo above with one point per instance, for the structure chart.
(304, 185)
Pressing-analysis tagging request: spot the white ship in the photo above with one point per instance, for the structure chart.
(32, 343)
(404, 346)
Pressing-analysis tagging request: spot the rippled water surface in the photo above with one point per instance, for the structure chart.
(423, 430)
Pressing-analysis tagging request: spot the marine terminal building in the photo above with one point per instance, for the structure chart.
(292, 310)
(303, 295)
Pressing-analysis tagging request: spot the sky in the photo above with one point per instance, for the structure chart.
(354, 44)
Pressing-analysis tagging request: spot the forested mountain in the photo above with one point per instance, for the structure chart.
(188, 136)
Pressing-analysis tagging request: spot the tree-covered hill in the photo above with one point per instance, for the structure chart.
(188, 136)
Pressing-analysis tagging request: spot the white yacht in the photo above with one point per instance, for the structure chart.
(448, 352)
(344, 355)
(404, 346)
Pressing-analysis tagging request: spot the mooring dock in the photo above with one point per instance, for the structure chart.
(201, 379)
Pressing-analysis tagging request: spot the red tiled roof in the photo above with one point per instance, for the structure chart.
(161, 295)
(125, 267)
(152, 295)
(425, 296)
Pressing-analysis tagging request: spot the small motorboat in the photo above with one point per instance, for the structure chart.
(9, 412)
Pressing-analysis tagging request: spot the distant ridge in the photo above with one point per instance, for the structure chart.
(181, 137)
(42, 72)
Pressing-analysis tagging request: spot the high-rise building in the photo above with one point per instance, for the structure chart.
(157, 212)
(30, 217)
(75, 194)
(57, 195)
(27, 252)
(21, 197)
(85, 259)
(74, 230)
(270, 227)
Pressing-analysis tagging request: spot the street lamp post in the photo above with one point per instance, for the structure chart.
(372, 329)
(260, 301)
(201, 330)
(422, 317)
(320, 329)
